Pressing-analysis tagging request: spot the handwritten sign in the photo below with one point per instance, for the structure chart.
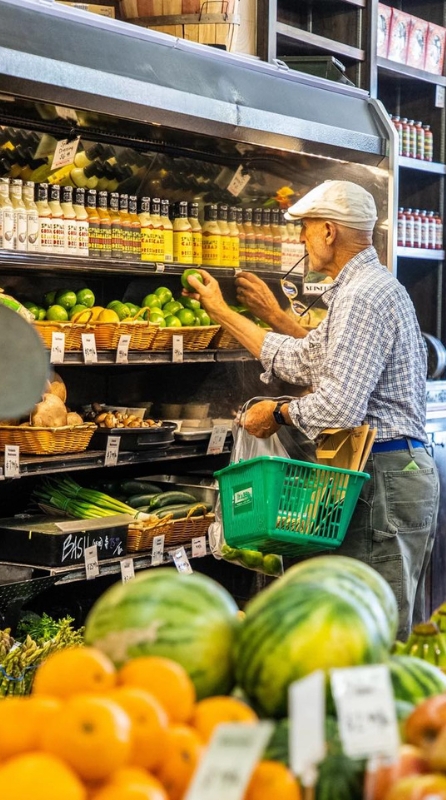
(366, 711)
(122, 350)
(177, 349)
(181, 561)
(307, 726)
(57, 347)
(127, 570)
(157, 550)
(238, 182)
(65, 152)
(199, 546)
(12, 461)
(89, 348)
(112, 451)
(91, 562)
(217, 440)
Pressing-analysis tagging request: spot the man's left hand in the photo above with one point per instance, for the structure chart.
(259, 421)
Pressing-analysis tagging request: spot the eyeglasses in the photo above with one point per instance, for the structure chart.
(291, 292)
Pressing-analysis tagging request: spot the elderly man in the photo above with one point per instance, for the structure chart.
(366, 363)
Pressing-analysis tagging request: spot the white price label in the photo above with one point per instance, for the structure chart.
(366, 711)
(159, 267)
(127, 570)
(238, 182)
(307, 726)
(181, 561)
(122, 350)
(57, 348)
(226, 767)
(65, 152)
(89, 348)
(12, 461)
(177, 349)
(91, 562)
(217, 440)
(198, 546)
(157, 550)
(112, 451)
(439, 96)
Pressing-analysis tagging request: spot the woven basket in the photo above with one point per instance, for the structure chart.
(141, 533)
(193, 338)
(223, 340)
(107, 334)
(48, 441)
(73, 333)
(188, 528)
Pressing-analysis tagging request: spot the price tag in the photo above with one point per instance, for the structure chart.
(91, 562)
(366, 711)
(238, 182)
(157, 550)
(199, 546)
(181, 561)
(439, 96)
(89, 348)
(46, 146)
(12, 461)
(65, 152)
(177, 349)
(307, 726)
(159, 267)
(127, 570)
(122, 350)
(225, 769)
(57, 348)
(217, 440)
(112, 451)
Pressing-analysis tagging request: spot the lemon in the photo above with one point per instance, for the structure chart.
(81, 316)
(173, 322)
(95, 311)
(185, 278)
(108, 315)
(57, 313)
(66, 298)
(186, 316)
(164, 294)
(85, 297)
(151, 300)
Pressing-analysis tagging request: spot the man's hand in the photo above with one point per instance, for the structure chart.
(259, 421)
(208, 293)
(253, 293)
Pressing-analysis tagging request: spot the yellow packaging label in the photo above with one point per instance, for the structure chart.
(226, 251)
(211, 245)
(197, 250)
(182, 247)
(168, 245)
(104, 11)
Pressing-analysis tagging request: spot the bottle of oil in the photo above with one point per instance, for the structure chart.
(136, 227)
(94, 231)
(211, 237)
(20, 220)
(235, 237)
(126, 226)
(197, 249)
(182, 235)
(116, 228)
(104, 225)
(82, 221)
(6, 217)
(71, 238)
(45, 242)
(32, 216)
(260, 240)
(241, 238)
(167, 232)
(57, 217)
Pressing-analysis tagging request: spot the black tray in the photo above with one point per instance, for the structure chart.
(134, 438)
(37, 540)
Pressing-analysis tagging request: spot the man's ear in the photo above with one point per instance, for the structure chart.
(330, 232)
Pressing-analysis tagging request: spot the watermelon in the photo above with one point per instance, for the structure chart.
(295, 627)
(188, 618)
(414, 679)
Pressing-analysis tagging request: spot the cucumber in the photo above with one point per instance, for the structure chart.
(138, 500)
(139, 487)
(171, 498)
(180, 511)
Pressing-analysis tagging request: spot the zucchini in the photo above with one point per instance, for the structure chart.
(139, 487)
(180, 511)
(138, 500)
(171, 498)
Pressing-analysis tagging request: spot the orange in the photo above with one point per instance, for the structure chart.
(166, 680)
(75, 670)
(149, 723)
(182, 753)
(130, 774)
(128, 787)
(21, 720)
(92, 734)
(212, 711)
(39, 776)
(272, 779)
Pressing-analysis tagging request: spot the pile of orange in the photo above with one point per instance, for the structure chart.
(90, 732)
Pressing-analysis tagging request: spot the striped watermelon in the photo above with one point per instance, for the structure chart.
(414, 679)
(188, 618)
(295, 627)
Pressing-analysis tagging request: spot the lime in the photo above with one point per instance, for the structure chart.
(42, 313)
(272, 564)
(186, 316)
(57, 313)
(173, 322)
(190, 302)
(151, 300)
(185, 276)
(33, 308)
(251, 558)
(78, 307)
(114, 303)
(172, 306)
(202, 316)
(230, 553)
(85, 297)
(156, 317)
(132, 308)
(121, 310)
(48, 299)
(65, 298)
(164, 294)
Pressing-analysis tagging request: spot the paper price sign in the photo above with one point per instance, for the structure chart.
(217, 440)
(91, 562)
(177, 349)
(225, 769)
(199, 546)
(12, 461)
(127, 570)
(65, 152)
(366, 711)
(157, 550)
(238, 182)
(89, 348)
(112, 451)
(57, 348)
(159, 267)
(181, 561)
(122, 350)
(307, 726)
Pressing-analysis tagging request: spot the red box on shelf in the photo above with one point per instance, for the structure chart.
(434, 60)
(384, 21)
(416, 51)
(399, 36)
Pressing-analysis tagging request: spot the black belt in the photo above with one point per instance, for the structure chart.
(396, 444)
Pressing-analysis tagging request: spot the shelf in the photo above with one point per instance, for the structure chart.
(391, 67)
(420, 253)
(421, 166)
(319, 42)
(136, 357)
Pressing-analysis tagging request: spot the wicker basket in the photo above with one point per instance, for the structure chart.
(188, 528)
(141, 533)
(73, 333)
(193, 338)
(48, 441)
(223, 340)
(107, 334)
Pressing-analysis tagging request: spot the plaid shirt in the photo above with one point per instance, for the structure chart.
(366, 362)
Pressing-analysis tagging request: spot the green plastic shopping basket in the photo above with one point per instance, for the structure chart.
(279, 505)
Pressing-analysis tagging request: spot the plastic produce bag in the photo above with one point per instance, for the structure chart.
(245, 447)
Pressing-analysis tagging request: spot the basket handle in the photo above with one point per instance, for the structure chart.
(194, 508)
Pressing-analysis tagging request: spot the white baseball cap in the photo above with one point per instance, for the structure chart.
(341, 201)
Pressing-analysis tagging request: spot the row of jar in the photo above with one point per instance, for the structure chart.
(420, 228)
(415, 139)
